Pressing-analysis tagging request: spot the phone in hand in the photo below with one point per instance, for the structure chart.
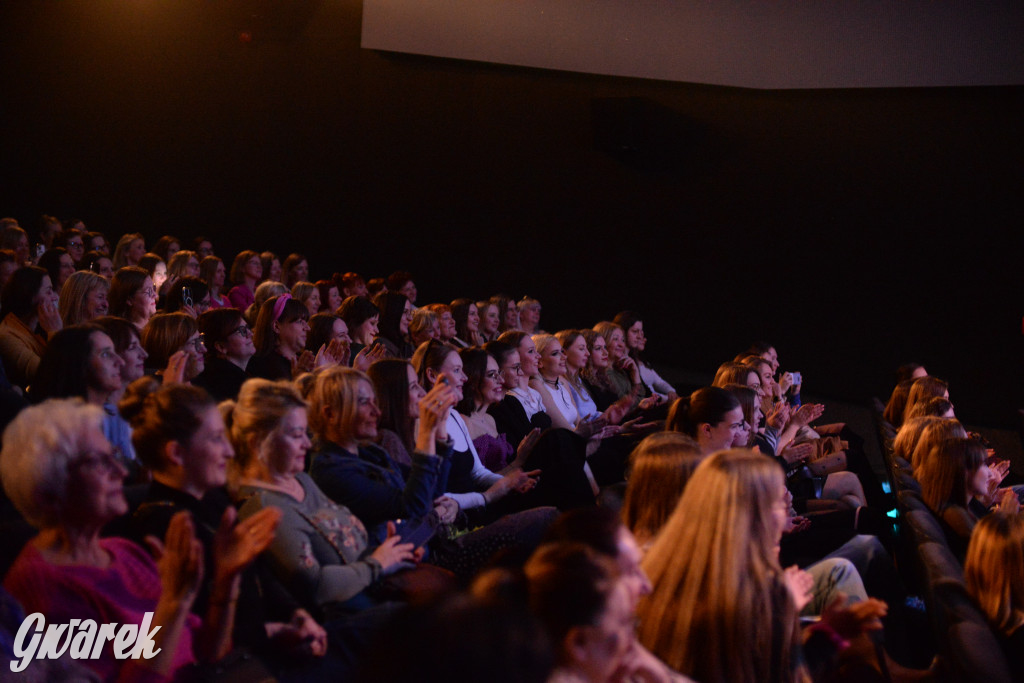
(417, 532)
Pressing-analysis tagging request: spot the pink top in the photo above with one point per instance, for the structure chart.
(241, 297)
(495, 452)
(121, 593)
(220, 301)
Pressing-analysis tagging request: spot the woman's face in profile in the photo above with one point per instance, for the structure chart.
(511, 316)
(370, 327)
(528, 357)
(136, 251)
(447, 326)
(552, 360)
(635, 338)
(333, 299)
(599, 354)
(403, 324)
(159, 274)
(46, 293)
(254, 268)
(491, 319)
(616, 345)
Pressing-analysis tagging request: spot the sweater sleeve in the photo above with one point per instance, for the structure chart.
(651, 378)
(468, 501)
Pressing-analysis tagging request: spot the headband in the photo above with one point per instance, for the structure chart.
(279, 305)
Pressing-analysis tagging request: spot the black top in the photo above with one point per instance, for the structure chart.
(261, 598)
(221, 378)
(510, 419)
(272, 366)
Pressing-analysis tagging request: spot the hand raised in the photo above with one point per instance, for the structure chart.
(179, 559)
(434, 409)
(807, 413)
(237, 545)
(174, 373)
(800, 584)
(778, 416)
(368, 356)
(49, 316)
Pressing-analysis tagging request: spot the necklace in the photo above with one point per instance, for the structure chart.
(554, 384)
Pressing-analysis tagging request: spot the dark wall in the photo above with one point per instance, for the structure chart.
(857, 229)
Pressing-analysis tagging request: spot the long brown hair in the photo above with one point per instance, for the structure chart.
(726, 588)
(945, 475)
(994, 570)
(659, 468)
(390, 377)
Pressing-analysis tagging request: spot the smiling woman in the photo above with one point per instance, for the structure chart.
(64, 477)
(83, 298)
(280, 337)
(81, 361)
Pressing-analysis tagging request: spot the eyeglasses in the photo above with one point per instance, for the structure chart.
(493, 375)
(77, 245)
(199, 343)
(150, 291)
(517, 368)
(105, 462)
(242, 330)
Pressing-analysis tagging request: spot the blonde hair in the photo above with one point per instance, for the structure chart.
(543, 341)
(994, 570)
(74, 296)
(606, 329)
(423, 320)
(265, 291)
(256, 416)
(303, 290)
(726, 586)
(659, 468)
(337, 387)
(120, 258)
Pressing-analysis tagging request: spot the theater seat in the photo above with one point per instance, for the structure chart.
(926, 528)
(974, 654)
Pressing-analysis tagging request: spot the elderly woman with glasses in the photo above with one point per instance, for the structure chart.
(229, 344)
(61, 474)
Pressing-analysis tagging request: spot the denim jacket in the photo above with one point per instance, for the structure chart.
(376, 488)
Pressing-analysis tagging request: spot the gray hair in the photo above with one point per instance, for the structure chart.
(40, 445)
